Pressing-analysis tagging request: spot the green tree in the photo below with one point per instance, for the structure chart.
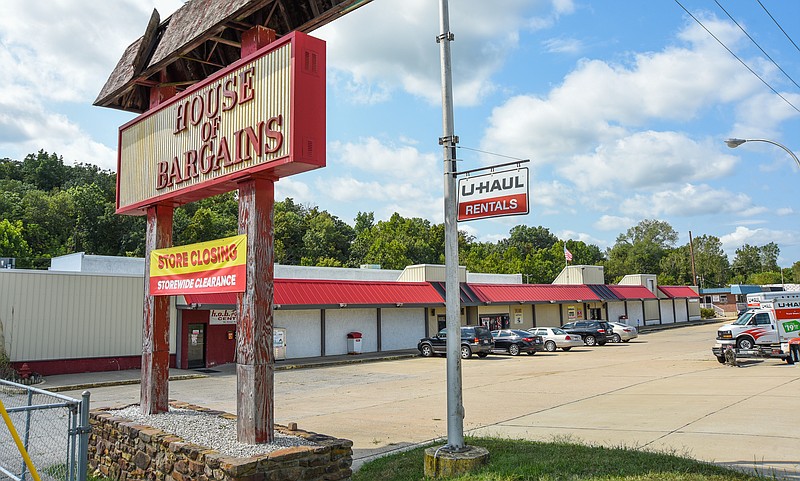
(44, 171)
(12, 242)
(711, 263)
(326, 238)
(289, 223)
(528, 239)
(640, 249)
(747, 260)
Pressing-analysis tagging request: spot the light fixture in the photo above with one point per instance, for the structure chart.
(733, 143)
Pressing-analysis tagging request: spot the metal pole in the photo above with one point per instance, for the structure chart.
(455, 408)
(83, 439)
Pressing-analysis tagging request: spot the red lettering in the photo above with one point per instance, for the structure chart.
(272, 134)
(180, 118)
(223, 153)
(190, 164)
(207, 160)
(163, 177)
(246, 85)
(175, 172)
(212, 104)
(229, 94)
(197, 110)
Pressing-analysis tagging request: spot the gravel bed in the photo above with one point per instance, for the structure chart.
(208, 430)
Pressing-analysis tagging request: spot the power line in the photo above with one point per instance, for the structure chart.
(489, 153)
(756, 44)
(778, 24)
(737, 57)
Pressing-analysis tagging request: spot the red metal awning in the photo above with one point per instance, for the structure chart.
(678, 292)
(500, 293)
(317, 292)
(632, 292)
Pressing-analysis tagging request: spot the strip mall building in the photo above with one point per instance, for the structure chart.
(85, 313)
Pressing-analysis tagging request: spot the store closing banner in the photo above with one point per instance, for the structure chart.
(208, 267)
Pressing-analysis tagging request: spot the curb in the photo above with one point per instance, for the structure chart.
(121, 382)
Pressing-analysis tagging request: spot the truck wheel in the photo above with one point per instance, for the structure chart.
(721, 359)
(745, 343)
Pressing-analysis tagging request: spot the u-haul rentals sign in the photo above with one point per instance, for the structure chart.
(493, 195)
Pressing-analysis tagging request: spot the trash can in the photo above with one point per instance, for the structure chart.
(353, 343)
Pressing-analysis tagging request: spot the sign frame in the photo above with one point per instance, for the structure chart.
(300, 129)
(482, 205)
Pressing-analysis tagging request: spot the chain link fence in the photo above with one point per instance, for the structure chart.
(53, 430)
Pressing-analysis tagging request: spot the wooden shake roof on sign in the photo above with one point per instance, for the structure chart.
(202, 37)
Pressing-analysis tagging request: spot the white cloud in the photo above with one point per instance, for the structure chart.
(784, 211)
(297, 190)
(393, 161)
(757, 237)
(563, 45)
(390, 45)
(599, 102)
(646, 159)
(614, 223)
(690, 200)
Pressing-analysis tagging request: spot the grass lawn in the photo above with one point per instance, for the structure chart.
(516, 460)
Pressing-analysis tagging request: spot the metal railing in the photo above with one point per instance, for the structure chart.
(51, 430)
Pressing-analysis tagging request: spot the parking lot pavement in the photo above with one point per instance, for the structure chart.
(663, 391)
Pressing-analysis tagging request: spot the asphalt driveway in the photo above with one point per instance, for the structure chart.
(663, 391)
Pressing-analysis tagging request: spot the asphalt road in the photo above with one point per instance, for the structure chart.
(663, 391)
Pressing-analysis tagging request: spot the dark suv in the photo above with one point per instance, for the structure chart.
(474, 340)
(592, 332)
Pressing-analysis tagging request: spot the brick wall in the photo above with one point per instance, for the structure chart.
(122, 450)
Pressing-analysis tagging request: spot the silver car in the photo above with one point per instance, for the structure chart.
(623, 332)
(555, 337)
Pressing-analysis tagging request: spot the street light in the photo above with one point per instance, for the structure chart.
(733, 143)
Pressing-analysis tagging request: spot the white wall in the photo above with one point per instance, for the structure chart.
(667, 315)
(635, 313)
(303, 335)
(65, 315)
(402, 328)
(338, 322)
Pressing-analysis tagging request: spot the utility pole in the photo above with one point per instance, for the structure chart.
(455, 407)
(691, 254)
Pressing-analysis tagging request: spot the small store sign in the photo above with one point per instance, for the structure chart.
(493, 195)
(218, 317)
(205, 268)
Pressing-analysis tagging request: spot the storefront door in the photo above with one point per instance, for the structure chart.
(196, 353)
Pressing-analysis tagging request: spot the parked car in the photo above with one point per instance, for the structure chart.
(592, 332)
(555, 337)
(474, 340)
(623, 332)
(515, 341)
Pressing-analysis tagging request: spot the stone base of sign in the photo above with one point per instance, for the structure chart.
(440, 463)
(120, 449)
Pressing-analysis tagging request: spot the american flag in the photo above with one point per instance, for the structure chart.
(567, 253)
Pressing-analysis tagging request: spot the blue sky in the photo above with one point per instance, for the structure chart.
(621, 106)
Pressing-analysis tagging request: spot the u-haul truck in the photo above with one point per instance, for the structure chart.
(770, 330)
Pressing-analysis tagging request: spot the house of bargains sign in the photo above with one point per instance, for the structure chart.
(493, 195)
(263, 114)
